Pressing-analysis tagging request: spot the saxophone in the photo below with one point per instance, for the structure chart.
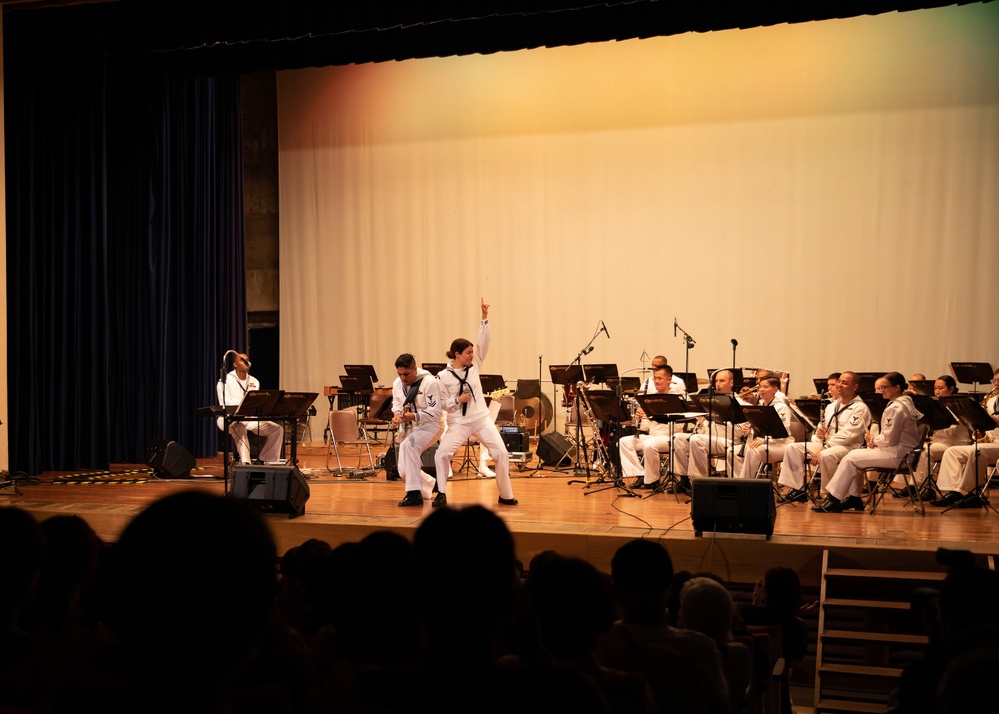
(601, 448)
(983, 437)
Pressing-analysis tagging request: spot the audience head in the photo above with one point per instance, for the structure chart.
(20, 559)
(706, 606)
(192, 588)
(642, 571)
(782, 591)
(573, 603)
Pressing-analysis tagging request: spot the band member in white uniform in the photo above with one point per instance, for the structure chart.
(760, 450)
(958, 476)
(942, 439)
(897, 436)
(652, 443)
(467, 413)
(677, 385)
(237, 383)
(842, 430)
(416, 413)
(718, 438)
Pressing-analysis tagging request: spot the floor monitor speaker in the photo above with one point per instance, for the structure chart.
(271, 489)
(554, 449)
(168, 459)
(732, 505)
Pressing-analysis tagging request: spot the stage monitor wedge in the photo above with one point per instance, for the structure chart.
(732, 505)
(271, 489)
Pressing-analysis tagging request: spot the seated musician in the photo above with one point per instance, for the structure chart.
(416, 412)
(942, 439)
(231, 392)
(842, 430)
(715, 441)
(897, 436)
(960, 471)
(760, 450)
(677, 385)
(652, 443)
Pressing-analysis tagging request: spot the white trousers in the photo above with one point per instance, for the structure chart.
(957, 467)
(699, 451)
(274, 433)
(484, 429)
(748, 464)
(792, 467)
(411, 458)
(653, 448)
(680, 454)
(852, 469)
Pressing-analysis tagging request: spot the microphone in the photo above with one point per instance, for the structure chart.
(588, 350)
(674, 327)
(605, 329)
(735, 342)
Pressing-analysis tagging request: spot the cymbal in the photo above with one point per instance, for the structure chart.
(702, 380)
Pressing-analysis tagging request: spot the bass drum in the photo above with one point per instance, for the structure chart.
(535, 414)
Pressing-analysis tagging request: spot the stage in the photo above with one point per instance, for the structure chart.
(557, 510)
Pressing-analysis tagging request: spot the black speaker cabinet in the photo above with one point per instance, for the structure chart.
(554, 449)
(271, 489)
(168, 459)
(732, 505)
(426, 461)
(516, 439)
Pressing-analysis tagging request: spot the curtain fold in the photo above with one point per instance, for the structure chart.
(125, 253)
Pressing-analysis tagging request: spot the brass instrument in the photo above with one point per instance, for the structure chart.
(750, 395)
(987, 397)
(601, 448)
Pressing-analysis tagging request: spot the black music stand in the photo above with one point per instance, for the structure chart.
(936, 417)
(974, 373)
(255, 406)
(361, 370)
(356, 384)
(973, 416)
(867, 382)
(876, 404)
(491, 383)
(821, 384)
(605, 406)
(434, 367)
(721, 409)
(599, 373)
(667, 409)
(622, 385)
(689, 381)
(568, 376)
(808, 413)
(766, 424)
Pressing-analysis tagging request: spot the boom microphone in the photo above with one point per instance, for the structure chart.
(674, 327)
(735, 342)
(605, 329)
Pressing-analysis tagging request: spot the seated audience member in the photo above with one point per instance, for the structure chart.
(574, 604)
(706, 607)
(683, 667)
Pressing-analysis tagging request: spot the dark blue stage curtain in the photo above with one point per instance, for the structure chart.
(125, 253)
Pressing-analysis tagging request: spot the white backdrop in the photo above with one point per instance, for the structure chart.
(824, 193)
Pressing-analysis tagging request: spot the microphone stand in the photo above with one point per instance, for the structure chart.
(735, 391)
(689, 343)
(580, 442)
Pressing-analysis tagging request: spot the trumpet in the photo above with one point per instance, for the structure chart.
(750, 394)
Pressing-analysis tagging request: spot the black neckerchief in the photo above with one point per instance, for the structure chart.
(411, 392)
(461, 387)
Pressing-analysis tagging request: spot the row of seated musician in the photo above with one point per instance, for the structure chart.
(846, 425)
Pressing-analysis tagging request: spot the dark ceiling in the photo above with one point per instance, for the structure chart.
(228, 36)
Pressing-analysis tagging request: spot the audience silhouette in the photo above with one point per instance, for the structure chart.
(191, 610)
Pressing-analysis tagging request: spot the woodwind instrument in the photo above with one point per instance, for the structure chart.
(601, 448)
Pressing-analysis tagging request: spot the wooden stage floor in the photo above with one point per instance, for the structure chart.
(553, 513)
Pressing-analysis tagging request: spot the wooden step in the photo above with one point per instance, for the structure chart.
(885, 574)
(858, 603)
(892, 672)
(845, 705)
(874, 636)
